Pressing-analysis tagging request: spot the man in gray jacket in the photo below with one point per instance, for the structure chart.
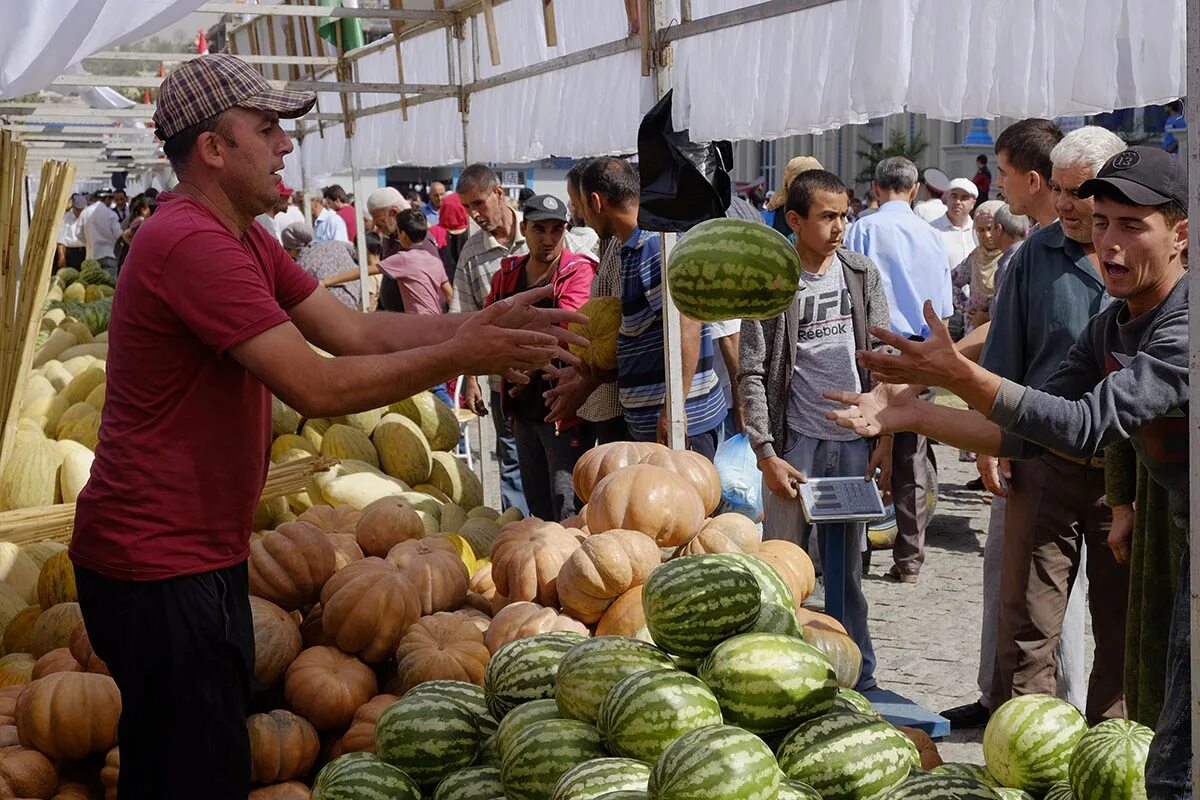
(789, 361)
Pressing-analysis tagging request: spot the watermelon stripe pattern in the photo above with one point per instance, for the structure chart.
(470, 695)
(521, 718)
(642, 714)
(542, 752)
(1012, 794)
(525, 669)
(777, 613)
(362, 776)
(848, 756)
(1110, 761)
(942, 787)
(1029, 740)
(472, 783)
(716, 763)
(596, 778)
(428, 736)
(589, 669)
(767, 682)
(976, 772)
(850, 700)
(694, 603)
(727, 268)
(796, 790)
(1060, 791)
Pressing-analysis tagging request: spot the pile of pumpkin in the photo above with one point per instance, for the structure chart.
(353, 607)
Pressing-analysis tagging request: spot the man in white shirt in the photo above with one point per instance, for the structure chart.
(72, 248)
(101, 230)
(328, 226)
(956, 226)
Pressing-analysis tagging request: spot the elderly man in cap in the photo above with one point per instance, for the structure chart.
(775, 205)
(956, 225)
(211, 317)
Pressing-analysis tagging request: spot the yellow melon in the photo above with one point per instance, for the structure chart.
(343, 441)
(292, 447)
(30, 476)
(404, 452)
(456, 480)
(604, 322)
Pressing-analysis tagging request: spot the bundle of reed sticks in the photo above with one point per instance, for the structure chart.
(24, 280)
(56, 522)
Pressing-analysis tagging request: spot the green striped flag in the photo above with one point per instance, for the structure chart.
(352, 35)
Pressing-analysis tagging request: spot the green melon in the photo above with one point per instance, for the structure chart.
(768, 682)
(345, 442)
(592, 667)
(777, 612)
(403, 451)
(456, 480)
(521, 718)
(525, 669)
(976, 772)
(796, 790)
(642, 714)
(363, 776)
(720, 762)
(596, 778)
(428, 736)
(470, 695)
(1109, 761)
(848, 756)
(727, 268)
(694, 603)
(1029, 740)
(435, 419)
(942, 787)
(541, 753)
(1012, 794)
(1060, 791)
(471, 783)
(850, 700)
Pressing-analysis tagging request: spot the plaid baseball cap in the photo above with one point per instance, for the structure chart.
(206, 86)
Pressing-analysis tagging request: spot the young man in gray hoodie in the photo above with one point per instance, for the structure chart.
(786, 363)
(1125, 377)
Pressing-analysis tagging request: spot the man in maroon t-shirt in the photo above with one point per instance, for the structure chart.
(336, 198)
(209, 318)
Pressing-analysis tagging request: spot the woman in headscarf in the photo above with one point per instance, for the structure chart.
(975, 278)
(322, 260)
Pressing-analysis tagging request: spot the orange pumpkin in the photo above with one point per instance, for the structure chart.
(367, 607)
(81, 648)
(290, 564)
(526, 559)
(312, 629)
(345, 549)
(841, 651)
(360, 738)
(474, 616)
(725, 533)
(8, 703)
(69, 715)
(653, 500)
(599, 462)
(9, 736)
(76, 790)
(792, 563)
(695, 469)
(16, 669)
(326, 686)
(481, 582)
(59, 660)
(385, 523)
(926, 747)
(290, 790)
(56, 581)
(110, 772)
(277, 641)
(625, 616)
(519, 620)
(815, 619)
(282, 746)
(26, 773)
(435, 569)
(53, 628)
(332, 519)
(441, 647)
(603, 568)
(18, 636)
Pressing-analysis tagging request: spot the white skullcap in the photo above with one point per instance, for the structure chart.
(967, 186)
(385, 197)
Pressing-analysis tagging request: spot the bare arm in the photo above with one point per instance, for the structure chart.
(323, 320)
(448, 292)
(689, 348)
(729, 352)
(971, 345)
(349, 276)
(893, 408)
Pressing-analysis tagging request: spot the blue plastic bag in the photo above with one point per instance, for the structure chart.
(741, 482)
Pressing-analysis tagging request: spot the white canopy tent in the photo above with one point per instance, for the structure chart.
(518, 80)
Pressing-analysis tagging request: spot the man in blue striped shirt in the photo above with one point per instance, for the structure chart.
(611, 193)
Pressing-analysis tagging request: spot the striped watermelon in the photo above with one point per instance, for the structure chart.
(644, 713)
(589, 669)
(963, 770)
(600, 776)
(720, 762)
(625, 794)
(362, 776)
(942, 787)
(1029, 740)
(472, 783)
(1060, 791)
(694, 603)
(521, 718)
(470, 695)
(727, 268)
(848, 756)
(768, 682)
(542, 752)
(525, 669)
(428, 736)
(850, 700)
(489, 753)
(1109, 761)
(1012, 794)
(796, 790)
(777, 612)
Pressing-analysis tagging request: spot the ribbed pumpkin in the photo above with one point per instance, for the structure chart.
(520, 620)
(726, 533)
(326, 687)
(792, 564)
(625, 617)
(69, 715)
(276, 641)
(526, 560)
(110, 773)
(695, 469)
(841, 651)
(345, 549)
(333, 519)
(58, 660)
(815, 619)
(653, 500)
(360, 738)
(603, 568)
(56, 581)
(8, 703)
(18, 634)
(367, 607)
(441, 647)
(289, 790)
(26, 773)
(597, 463)
(435, 570)
(282, 746)
(343, 441)
(482, 583)
(81, 650)
(290, 564)
(53, 628)
(16, 669)
(312, 628)
(386, 523)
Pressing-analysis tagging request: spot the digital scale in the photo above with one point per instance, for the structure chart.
(840, 500)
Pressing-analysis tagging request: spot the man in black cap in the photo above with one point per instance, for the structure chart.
(1125, 377)
(546, 451)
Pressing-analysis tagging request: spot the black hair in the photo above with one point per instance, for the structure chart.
(1176, 106)
(412, 194)
(757, 197)
(981, 159)
(808, 183)
(412, 223)
(477, 178)
(151, 193)
(374, 243)
(614, 179)
(1027, 145)
(575, 173)
(524, 195)
(178, 148)
(335, 193)
(1172, 211)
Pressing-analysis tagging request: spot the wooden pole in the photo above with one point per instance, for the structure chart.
(397, 26)
(549, 23)
(489, 22)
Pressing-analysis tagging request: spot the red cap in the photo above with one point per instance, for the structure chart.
(284, 190)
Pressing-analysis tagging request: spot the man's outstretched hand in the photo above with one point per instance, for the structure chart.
(887, 408)
(513, 334)
(933, 362)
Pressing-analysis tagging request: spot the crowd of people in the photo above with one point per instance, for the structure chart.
(100, 225)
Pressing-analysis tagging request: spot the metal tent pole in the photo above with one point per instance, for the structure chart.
(1193, 156)
(364, 280)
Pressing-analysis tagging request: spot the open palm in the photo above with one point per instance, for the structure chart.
(888, 408)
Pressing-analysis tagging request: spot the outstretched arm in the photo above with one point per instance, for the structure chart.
(891, 408)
